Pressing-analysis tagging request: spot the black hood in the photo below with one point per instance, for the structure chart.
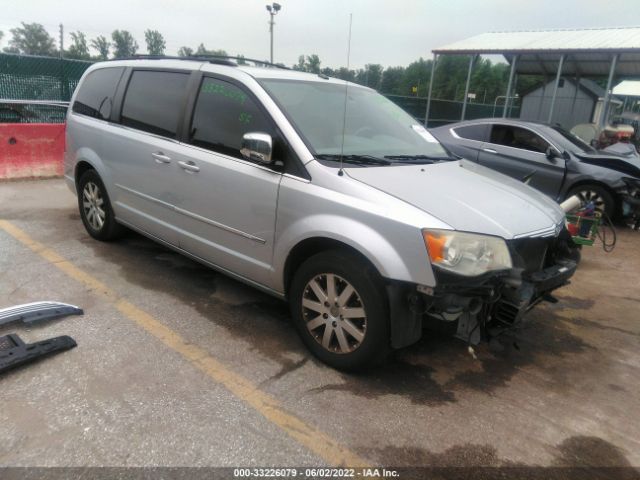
(627, 165)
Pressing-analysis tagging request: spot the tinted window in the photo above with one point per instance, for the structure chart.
(472, 132)
(154, 101)
(222, 115)
(517, 137)
(95, 97)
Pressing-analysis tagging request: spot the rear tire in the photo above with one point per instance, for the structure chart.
(340, 309)
(602, 199)
(95, 208)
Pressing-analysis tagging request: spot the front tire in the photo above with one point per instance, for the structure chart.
(95, 208)
(339, 306)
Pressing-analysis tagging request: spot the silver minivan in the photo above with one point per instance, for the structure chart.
(314, 190)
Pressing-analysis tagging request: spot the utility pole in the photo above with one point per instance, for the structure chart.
(273, 10)
(61, 40)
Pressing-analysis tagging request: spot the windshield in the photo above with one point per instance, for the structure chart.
(376, 128)
(578, 146)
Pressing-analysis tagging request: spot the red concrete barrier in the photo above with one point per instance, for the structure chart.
(31, 150)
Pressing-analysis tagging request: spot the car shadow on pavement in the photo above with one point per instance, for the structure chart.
(438, 369)
(422, 373)
(578, 456)
(260, 320)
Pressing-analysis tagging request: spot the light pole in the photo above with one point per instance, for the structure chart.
(273, 10)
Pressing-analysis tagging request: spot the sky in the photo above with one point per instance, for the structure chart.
(387, 32)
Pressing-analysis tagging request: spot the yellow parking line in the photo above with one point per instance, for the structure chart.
(315, 440)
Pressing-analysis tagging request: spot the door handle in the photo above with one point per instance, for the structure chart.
(489, 150)
(160, 157)
(189, 166)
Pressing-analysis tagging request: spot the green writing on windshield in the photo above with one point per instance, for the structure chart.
(231, 93)
(245, 118)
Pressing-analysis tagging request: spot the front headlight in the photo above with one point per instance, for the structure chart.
(467, 254)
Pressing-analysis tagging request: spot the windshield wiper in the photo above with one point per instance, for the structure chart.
(354, 159)
(420, 158)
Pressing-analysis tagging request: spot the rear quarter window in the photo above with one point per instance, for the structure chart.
(473, 132)
(95, 96)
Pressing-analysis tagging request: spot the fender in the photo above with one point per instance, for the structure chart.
(388, 260)
(85, 155)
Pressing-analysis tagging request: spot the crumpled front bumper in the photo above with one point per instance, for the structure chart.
(476, 308)
(516, 300)
(481, 308)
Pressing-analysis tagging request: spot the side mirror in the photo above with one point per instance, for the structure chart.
(257, 147)
(551, 153)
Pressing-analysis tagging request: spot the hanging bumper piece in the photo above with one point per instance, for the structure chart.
(31, 313)
(14, 352)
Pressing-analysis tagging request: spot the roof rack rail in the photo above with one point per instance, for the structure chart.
(197, 58)
(240, 60)
(216, 59)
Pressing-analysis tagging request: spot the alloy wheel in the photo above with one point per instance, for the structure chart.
(334, 313)
(92, 204)
(591, 196)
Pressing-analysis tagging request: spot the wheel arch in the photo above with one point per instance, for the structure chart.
(87, 159)
(597, 183)
(392, 252)
(311, 246)
(81, 167)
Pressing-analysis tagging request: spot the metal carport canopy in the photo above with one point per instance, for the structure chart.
(577, 52)
(588, 52)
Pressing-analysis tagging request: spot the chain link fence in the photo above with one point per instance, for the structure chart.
(51, 79)
(29, 78)
(448, 111)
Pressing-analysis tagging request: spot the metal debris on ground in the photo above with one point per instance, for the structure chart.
(31, 313)
(14, 352)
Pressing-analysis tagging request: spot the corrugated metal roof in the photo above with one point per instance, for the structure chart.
(608, 39)
(588, 52)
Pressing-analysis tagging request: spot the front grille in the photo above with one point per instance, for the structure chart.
(530, 253)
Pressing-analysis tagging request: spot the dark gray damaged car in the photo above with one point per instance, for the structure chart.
(552, 160)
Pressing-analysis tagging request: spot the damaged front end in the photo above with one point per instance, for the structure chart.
(482, 307)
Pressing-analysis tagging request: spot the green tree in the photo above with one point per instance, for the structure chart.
(31, 39)
(328, 71)
(202, 50)
(489, 80)
(102, 45)
(392, 80)
(185, 52)
(370, 76)
(155, 42)
(124, 45)
(300, 66)
(308, 63)
(345, 74)
(417, 74)
(450, 77)
(78, 48)
(313, 63)
(241, 59)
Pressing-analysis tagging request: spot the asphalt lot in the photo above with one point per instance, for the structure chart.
(178, 365)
